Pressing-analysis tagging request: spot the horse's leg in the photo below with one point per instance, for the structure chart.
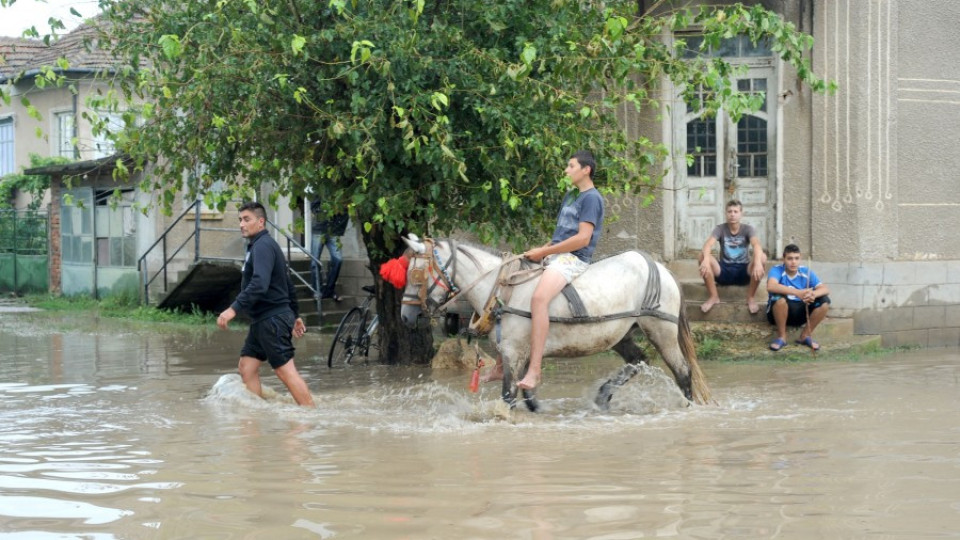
(663, 335)
(632, 354)
(509, 389)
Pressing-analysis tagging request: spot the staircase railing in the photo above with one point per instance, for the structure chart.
(161, 241)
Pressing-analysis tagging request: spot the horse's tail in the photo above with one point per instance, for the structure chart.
(698, 383)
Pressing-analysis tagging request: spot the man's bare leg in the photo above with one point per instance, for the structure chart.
(710, 280)
(550, 285)
(249, 368)
(295, 384)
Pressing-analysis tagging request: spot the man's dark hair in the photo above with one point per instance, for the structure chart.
(791, 248)
(734, 202)
(255, 207)
(585, 159)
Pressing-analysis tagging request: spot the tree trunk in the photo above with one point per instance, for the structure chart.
(398, 344)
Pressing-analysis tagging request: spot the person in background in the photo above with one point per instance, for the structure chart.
(327, 232)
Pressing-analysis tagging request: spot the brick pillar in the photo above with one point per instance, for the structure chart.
(53, 233)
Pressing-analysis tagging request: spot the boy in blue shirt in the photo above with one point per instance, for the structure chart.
(797, 298)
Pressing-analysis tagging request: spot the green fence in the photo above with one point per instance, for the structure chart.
(23, 252)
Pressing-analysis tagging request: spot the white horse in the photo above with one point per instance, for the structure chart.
(619, 294)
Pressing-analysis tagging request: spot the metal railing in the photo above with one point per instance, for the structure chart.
(161, 241)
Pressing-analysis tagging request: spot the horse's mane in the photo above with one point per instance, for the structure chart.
(475, 245)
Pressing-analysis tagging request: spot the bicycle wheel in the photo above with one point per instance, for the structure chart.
(367, 338)
(345, 340)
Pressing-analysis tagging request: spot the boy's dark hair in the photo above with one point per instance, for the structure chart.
(255, 207)
(585, 159)
(790, 248)
(734, 202)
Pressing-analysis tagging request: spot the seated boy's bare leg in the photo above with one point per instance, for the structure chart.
(709, 270)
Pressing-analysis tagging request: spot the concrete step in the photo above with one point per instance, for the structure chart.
(696, 291)
(725, 312)
(831, 333)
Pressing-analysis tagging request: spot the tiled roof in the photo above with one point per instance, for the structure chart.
(79, 47)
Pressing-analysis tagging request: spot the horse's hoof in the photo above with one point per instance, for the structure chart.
(530, 400)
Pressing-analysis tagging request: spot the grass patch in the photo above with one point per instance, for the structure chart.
(120, 307)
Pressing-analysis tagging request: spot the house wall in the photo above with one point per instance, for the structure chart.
(868, 175)
(883, 193)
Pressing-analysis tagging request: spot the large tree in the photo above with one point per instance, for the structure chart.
(420, 116)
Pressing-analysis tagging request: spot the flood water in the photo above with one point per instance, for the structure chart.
(117, 430)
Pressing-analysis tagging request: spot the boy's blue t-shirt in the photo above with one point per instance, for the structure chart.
(805, 279)
(587, 206)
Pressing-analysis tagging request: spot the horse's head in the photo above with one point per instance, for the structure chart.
(429, 282)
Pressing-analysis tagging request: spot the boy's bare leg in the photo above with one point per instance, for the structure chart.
(816, 317)
(709, 276)
(551, 283)
(756, 274)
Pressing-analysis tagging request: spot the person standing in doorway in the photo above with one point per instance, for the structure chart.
(327, 232)
(735, 265)
(268, 297)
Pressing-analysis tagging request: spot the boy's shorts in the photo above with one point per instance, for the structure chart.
(568, 264)
(733, 274)
(796, 312)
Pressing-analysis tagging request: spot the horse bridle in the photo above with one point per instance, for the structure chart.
(433, 269)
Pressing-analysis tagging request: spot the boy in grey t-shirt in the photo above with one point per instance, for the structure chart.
(735, 265)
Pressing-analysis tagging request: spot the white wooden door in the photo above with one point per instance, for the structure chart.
(720, 160)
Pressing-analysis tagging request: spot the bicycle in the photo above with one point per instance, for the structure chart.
(356, 332)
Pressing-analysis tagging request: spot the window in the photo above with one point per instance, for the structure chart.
(8, 162)
(103, 142)
(116, 229)
(735, 47)
(63, 129)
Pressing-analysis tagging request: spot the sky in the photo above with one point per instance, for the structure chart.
(24, 13)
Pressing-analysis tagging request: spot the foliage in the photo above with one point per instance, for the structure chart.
(24, 233)
(117, 307)
(32, 184)
(440, 115)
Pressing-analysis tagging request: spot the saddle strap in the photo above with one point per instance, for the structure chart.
(599, 318)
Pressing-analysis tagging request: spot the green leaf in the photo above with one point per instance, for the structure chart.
(170, 44)
(297, 44)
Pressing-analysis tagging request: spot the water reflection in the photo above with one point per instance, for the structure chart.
(116, 430)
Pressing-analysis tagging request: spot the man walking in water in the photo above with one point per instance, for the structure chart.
(566, 256)
(268, 297)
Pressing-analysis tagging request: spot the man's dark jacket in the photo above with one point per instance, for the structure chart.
(266, 289)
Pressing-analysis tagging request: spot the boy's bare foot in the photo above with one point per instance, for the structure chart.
(708, 305)
(529, 382)
(752, 306)
(494, 374)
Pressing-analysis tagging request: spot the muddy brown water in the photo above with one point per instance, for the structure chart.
(115, 430)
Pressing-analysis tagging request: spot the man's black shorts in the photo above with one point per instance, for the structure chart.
(271, 339)
(733, 274)
(796, 312)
